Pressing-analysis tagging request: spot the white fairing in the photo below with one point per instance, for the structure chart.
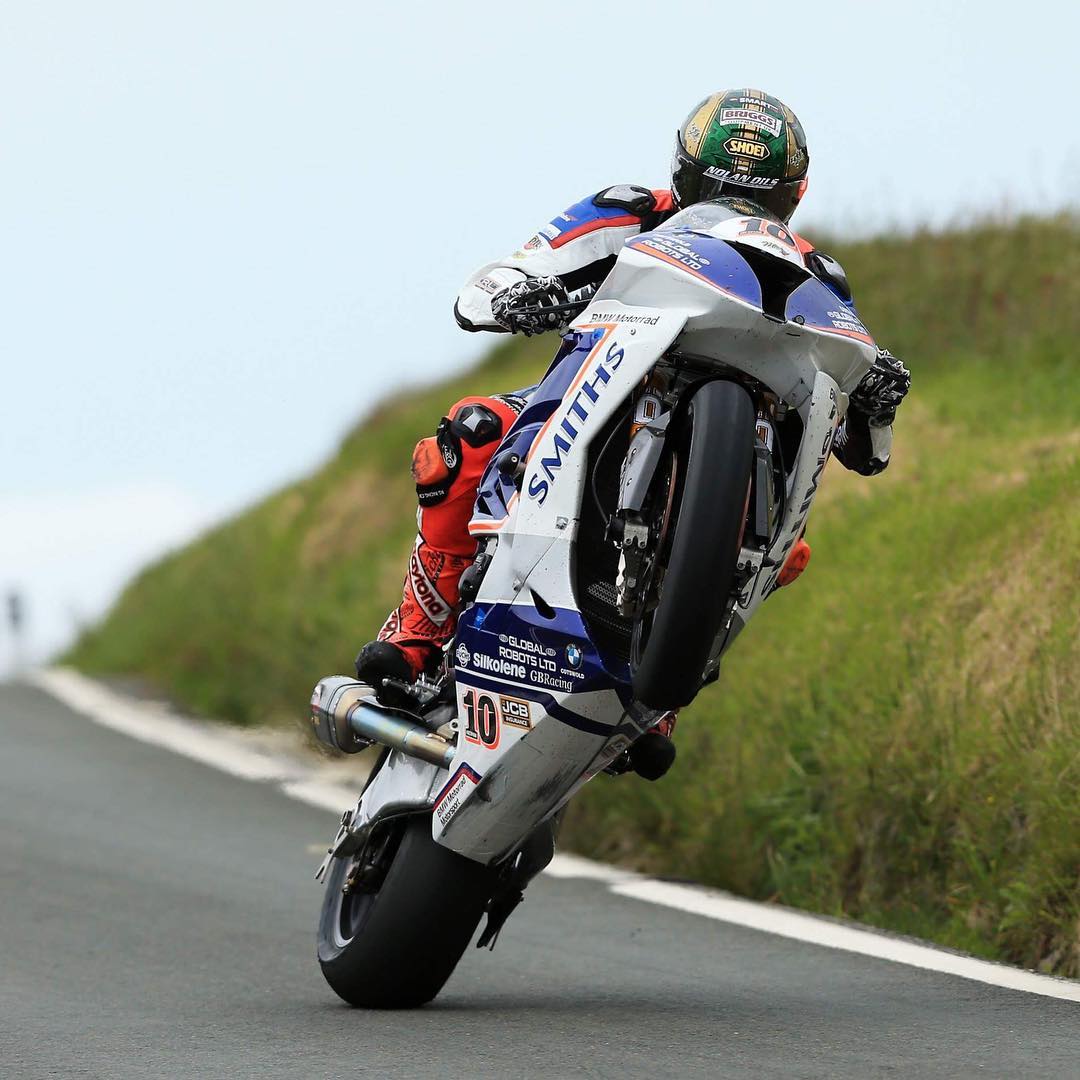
(785, 356)
(534, 552)
(548, 735)
(734, 229)
(402, 785)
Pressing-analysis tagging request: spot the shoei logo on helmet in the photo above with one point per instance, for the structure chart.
(746, 148)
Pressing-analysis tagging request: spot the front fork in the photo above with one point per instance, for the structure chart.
(819, 431)
(775, 534)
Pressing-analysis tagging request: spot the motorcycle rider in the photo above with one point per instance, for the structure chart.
(737, 143)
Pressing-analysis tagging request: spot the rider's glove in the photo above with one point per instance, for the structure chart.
(881, 390)
(507, 306)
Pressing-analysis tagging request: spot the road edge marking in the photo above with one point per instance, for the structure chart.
(154, 723)
(833, 934)
(210, 744)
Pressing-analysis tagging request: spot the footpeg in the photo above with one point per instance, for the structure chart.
(499, 909)
(332, 851)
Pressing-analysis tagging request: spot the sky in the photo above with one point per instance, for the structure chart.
(228, 229)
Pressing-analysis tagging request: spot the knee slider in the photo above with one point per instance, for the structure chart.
(475, 424)
(429, 463)
(436, 464)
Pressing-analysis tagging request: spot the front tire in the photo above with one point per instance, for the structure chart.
(395, 946)
(715, 459)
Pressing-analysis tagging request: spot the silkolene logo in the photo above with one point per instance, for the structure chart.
(574, 419)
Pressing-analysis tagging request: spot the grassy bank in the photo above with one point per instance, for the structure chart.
(895, 738)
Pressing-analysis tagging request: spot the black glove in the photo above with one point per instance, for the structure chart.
(879, 393)
(506, 306)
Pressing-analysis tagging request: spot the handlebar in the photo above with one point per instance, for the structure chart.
(572, 307)
(889, 373)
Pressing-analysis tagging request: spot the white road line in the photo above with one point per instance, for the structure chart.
(333, 797)
(222, 749)
(153, 722)
(834, 935)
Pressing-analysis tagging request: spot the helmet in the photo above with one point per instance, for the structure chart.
(741, 143)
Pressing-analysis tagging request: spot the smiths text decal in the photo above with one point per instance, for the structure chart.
(575, 416)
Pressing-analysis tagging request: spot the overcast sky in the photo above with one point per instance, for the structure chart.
(226, 229)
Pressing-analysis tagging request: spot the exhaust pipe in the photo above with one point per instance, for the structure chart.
(346, 716)
(372, 723)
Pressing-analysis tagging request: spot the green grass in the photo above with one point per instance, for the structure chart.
(895, 738)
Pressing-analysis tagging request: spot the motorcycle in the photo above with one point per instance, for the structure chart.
(634, 518)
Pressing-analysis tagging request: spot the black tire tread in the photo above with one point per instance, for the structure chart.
(704, 549)
(421, 922)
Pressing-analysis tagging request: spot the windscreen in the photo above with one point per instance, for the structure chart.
(742, 222)
(703, 217)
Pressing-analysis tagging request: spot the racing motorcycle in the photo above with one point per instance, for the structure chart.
(634, 518)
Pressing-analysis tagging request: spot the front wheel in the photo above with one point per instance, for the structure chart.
(395, 923)
(713, 455)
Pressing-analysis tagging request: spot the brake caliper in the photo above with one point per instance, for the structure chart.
(633, 548)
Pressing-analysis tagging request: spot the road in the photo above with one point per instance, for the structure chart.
(157, 920)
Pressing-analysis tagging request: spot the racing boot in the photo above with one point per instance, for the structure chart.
(411, 641)
(381, 664)
(447, 469)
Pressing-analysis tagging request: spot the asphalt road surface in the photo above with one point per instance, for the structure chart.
(157, 919)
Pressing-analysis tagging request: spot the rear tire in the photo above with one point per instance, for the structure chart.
(716, 459)
(396, 947)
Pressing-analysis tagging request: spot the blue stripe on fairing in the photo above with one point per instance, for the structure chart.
(464, 767)
(551, 706)
(495, 490)
(818, 306)
(720, 262)
(723, 264)
(483, 622)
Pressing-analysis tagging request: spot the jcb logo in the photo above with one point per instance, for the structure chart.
(515, 712)
(746, 148)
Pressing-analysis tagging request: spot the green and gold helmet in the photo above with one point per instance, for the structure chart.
(745, 143)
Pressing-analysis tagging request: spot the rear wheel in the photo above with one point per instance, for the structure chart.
(696, 567)
(395, 924)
